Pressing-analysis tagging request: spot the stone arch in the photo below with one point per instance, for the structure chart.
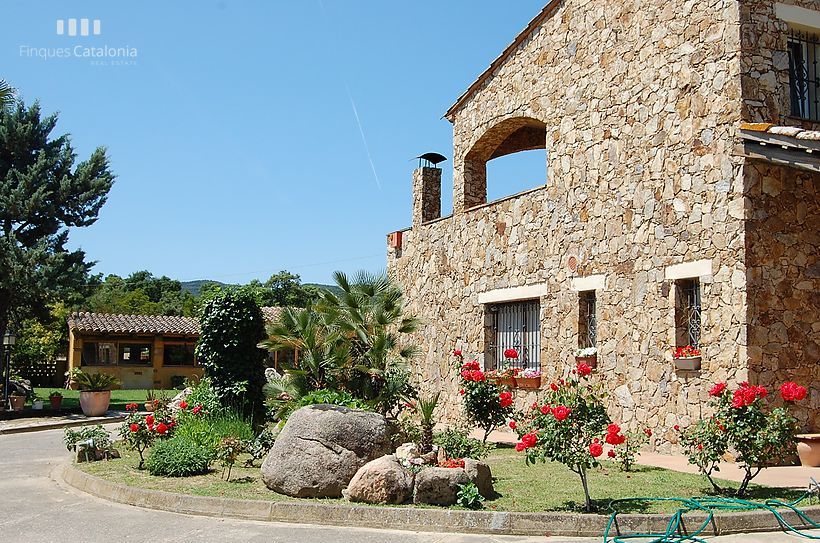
(508, 136)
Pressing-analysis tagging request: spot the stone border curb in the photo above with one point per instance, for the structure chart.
(413, 519)
(56, 425)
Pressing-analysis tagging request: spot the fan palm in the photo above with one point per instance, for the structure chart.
(425, 408)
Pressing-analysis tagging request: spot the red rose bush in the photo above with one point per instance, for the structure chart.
(745, 424)
(485, 404)
(568, 428)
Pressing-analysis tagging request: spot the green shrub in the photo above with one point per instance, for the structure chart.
(333, 397)
(207, 431)
(203, 394)
(178, 457)
(96, 436)
(457, 443)
(232, 327)
(468, 496)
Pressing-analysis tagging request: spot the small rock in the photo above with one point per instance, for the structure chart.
(439, 486)
(383, 480)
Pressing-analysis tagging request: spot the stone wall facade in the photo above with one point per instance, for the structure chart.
(640, 102)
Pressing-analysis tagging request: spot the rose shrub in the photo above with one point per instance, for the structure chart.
(625, 445)
(744, 424)
(485, 404)
(139, 431)
(567, 428)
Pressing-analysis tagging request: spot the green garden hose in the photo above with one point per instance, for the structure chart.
(676, 531)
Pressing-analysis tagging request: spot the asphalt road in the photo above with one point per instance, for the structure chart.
(35, 507)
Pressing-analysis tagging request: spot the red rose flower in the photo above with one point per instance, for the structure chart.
(183, 404)
(700, 446)
(513, 424)
(461, 391)
(561, 412)
(466, 375)
(477, 375)
(676, 428)
(519, 446)
(761, 391)
(149, 420)
(505, 399)
(162, 428)
(648, 432)
(596, 450)
(510, 353)
(554, 387)
(457, 352)
(583, 369)
(135, 427)
(613, 429)
(611, 453)
(529, 440)
(196, 409)
(545, 410)
(615, 439)
(717, 390)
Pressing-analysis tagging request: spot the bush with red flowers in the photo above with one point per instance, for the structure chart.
(686, 352)
(745, 424)
(625, 445)
(139, 431)
(567, 428)
(485, 404)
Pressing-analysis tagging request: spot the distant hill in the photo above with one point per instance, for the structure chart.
(195, 287)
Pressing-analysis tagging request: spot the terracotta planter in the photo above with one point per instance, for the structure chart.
(506, 381)
(808, 449)
(56, 402)
(17, 402)
(591, 361)
(691, 363)
(149, 406)
(530, 383)
(94, 402)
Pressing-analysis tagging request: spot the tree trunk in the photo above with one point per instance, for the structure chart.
(582, 473)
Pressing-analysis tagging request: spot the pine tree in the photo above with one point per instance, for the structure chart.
(43, 193)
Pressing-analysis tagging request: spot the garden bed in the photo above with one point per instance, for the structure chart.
(542, 487)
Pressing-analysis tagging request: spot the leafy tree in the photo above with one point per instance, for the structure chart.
(140, 294)
(43, 193)
(41, 341)
(231, 328)
(286, 290)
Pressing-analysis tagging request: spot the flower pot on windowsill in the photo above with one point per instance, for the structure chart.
(529, 383)
(506, 381)
(689, 363)
(94, 403)
(149, 406)
(591, 361)
(808, 449)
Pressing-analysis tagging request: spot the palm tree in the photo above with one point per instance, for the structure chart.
(8, 95)
(425, 408)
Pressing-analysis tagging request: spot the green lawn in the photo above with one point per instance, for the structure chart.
(542, 487)
(119, 398)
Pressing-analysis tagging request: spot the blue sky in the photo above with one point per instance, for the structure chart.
(233, 132)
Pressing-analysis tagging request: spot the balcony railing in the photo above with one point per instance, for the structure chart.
(804, 83)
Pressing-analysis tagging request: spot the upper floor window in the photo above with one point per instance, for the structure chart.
(804, 83)
(687, 313)
(515, 325)
(587, 320)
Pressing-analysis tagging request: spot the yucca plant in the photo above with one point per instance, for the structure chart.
(425, 408)
(93, 382)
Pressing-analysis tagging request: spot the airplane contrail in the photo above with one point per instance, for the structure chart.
(364, 139)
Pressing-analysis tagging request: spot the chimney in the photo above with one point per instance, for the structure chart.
(427, 189)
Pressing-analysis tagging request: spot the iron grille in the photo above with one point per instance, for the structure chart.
(515, 326)
(804, 83)
(589, 336)
(689, 292)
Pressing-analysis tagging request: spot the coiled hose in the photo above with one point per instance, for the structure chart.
(677, 533)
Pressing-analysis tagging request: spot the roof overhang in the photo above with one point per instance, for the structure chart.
(782, 145)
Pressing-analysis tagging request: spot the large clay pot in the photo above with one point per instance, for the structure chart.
(17, 402)
(808, 449)
(94, 403)
(691, 363)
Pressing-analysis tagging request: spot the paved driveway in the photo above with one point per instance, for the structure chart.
(33, 507)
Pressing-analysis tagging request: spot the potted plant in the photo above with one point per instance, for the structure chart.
(529, 379)
(151, 400)
(56, 399)
(686, 358)
(95, 391)
(37, 403)
(588, 356)
(506, 377)
(18, 401)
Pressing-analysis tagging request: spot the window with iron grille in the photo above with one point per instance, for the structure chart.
(587, 321)
(804, 83)
(514, 326)
(687, 313)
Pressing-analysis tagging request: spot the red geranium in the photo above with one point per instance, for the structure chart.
(545, 410)
(131, 407)
(611, 453)
(457, 352)
(583, 369)
(718, 389)
(561, 412)
(510, 353)
(596, 449)
(792, 392)
(505, 398)
(513, 424)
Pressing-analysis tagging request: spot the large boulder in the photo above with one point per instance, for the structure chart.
(321, 448)
(480, 474)
(439, 486)
(383, 480)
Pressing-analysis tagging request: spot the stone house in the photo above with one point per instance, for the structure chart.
(677, 207)
(146, 351)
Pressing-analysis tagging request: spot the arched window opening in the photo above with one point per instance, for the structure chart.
(525, 170)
